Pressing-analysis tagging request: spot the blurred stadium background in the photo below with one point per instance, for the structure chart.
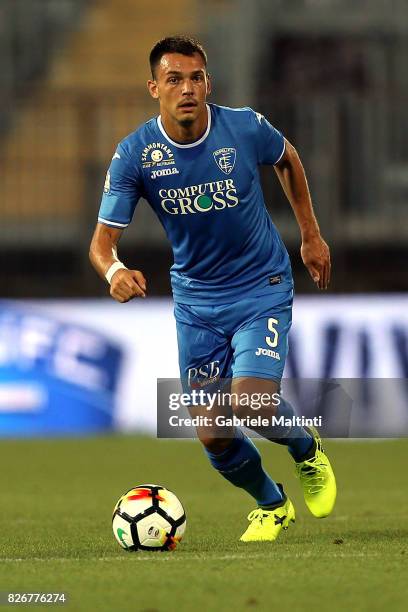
(331, 74)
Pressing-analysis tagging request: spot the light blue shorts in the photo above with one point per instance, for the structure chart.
(246, 338)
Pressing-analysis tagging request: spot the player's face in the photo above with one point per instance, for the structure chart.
(181, 85)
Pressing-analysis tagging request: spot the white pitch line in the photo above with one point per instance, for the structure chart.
(188, 557)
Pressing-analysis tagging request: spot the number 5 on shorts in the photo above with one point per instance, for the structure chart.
(272, 341)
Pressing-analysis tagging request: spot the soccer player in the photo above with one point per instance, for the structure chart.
(197, 166)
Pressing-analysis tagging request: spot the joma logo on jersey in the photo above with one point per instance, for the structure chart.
(216, 195)
(157, 154)
(165, 172)
(204, 375)
(225, 159)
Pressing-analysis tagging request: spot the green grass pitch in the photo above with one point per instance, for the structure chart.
(56, 503)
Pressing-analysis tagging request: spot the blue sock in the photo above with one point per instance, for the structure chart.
(299, 442)
(241, 465)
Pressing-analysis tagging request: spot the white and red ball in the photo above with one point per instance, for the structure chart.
(148, 517)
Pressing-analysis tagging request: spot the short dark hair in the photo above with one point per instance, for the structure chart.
(175, 44)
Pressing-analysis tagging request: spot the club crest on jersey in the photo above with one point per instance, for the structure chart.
(225, 159)
(157, 154)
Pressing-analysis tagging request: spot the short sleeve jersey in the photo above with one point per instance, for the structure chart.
(208, 197)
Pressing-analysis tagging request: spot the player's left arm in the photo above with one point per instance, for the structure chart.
(314, 250)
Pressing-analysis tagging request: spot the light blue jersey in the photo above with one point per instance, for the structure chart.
(208, 197)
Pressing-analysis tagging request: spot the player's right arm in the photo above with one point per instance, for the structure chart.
(125, 284)
(120, 196)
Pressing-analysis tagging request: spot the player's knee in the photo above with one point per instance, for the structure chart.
(239, 409)
(215, 445)
(244, 409)
(245, 406)
(251, 395)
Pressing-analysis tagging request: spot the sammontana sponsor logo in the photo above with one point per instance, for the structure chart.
(216, 195)
(157, 154)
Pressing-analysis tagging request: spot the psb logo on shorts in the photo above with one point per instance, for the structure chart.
(225, 159)
(204, 375)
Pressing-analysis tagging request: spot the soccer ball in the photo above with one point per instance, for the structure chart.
(148, 517)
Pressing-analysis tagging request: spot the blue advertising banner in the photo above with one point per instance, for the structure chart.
(83, 366)
(56, 378)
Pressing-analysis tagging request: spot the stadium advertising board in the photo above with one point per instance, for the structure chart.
(76, 367)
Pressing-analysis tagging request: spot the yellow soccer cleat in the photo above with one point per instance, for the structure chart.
(317, 479)
(266, 525)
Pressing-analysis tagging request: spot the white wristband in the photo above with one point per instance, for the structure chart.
(118, 265)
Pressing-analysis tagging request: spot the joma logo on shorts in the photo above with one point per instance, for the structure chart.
(267, 353)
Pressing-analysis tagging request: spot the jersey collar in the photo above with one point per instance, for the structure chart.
(190, 144)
